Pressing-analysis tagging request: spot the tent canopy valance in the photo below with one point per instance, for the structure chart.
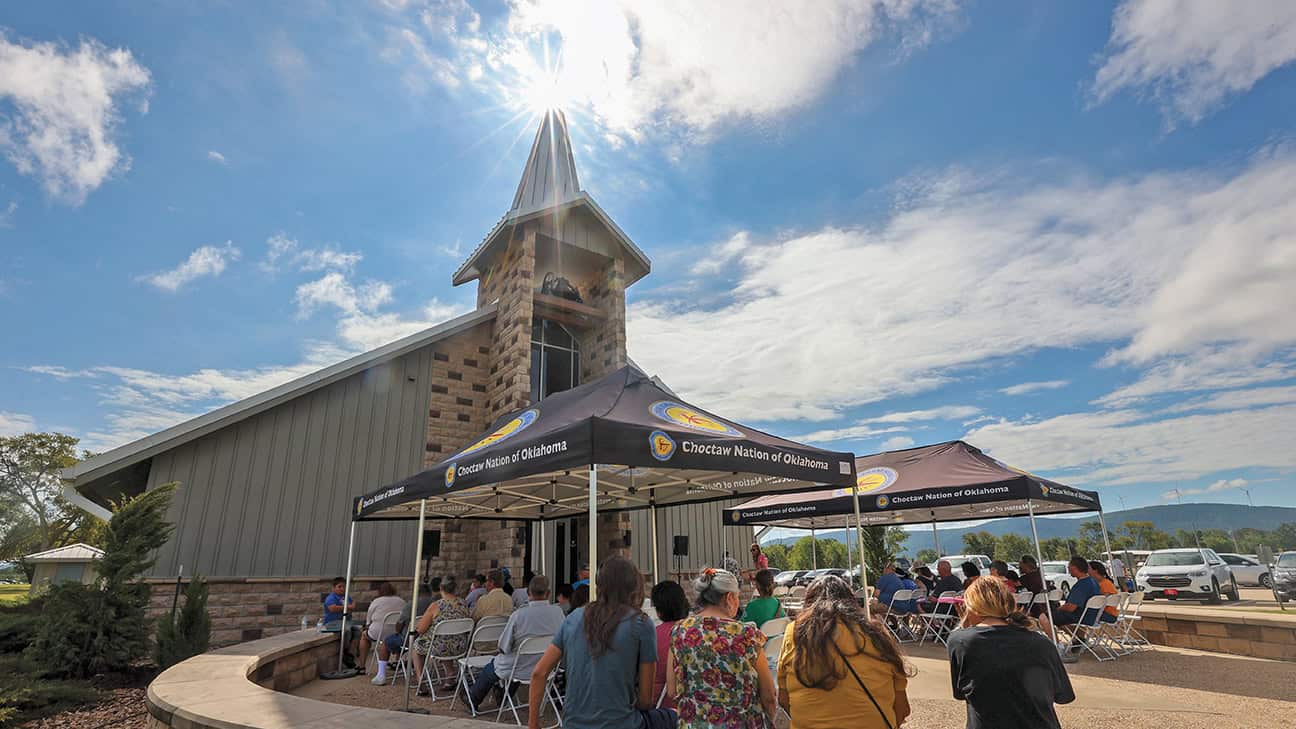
(951, 481)
(646, 445)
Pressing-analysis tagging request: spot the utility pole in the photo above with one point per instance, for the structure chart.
(1248, 493)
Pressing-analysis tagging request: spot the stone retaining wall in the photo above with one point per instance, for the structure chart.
(1237, 632)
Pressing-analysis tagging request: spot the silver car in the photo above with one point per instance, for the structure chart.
(1246, 570)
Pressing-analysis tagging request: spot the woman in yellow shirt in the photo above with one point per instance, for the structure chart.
(838, 669)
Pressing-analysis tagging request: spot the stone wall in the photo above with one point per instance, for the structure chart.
(287, 672)
(1239, 633)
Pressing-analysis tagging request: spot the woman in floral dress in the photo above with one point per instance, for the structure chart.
(718, 673)
(449, 607)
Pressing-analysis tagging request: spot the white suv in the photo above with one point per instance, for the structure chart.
(1192, 574)
(980, 560)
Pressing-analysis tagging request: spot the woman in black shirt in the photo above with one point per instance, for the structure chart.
(1009, 675)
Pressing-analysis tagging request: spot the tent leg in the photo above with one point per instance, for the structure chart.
(859, 543)
(346, 598)
(593, 528)
(1039, 557)
(1102, 524)
(543, 570)
(850, 565)
(418, 564)
(652, 527)
(814, 552)
(935, 536)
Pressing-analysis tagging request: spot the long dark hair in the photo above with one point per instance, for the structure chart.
(620, 593)
(831, 606)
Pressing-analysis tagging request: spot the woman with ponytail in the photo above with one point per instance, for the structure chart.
(717, 670)
(839, 669)
(1009, 675)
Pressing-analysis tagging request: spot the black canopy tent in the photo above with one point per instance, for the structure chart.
(617, 443)
(953, 481)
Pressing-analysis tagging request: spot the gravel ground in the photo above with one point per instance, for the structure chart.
(121, 708)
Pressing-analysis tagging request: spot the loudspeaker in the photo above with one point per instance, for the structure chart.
(431, 543)
(681, 546)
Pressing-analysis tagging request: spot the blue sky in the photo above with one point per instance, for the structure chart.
(1063, 231)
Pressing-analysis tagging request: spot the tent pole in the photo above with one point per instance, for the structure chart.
(544, 569)
(418, 564)
(652, 527)
(1039, 557)
(346, 597)
(1102, 523)
(814, 552)
(935, 536)
(850, 566)
(593, 528)
(859, 543)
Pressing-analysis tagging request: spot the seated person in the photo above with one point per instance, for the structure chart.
(448, 607)
(1085, 587)
(536, 617)
(765, 607)
(520, 597)
(583, 576)
(564, 593)
(887, 585)
(386, 604)
(906, 583)
(477, 589)
(1013, 580)
(1106, 586)
(495, 601)
(970, 573)
(998, 568)
(333, 605)
(946, 581)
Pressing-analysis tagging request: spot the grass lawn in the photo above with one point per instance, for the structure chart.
(13, 594)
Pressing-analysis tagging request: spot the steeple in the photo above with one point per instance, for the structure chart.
(549, 178)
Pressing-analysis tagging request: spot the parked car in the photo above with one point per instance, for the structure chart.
(813, 575)
(1246, 570)
(980, 560)
(788, 578)
(1056, 572)
(1284, 576)
(1190, 573)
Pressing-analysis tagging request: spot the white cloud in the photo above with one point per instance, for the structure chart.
(1029, 387)
(850, 432)
(334, 289)
(945, 412)
(1239, 399)
(1191, 56)
(1128, 446)
(1208, 368)
(1220, 485)
(722, 255)
(282, 251)
(7, 215)
(867, 428)
(217, 157)
(632, 64)
(205, 261)
(65, 115)
(824, 321)
(59, 373)
(16, 423)
(899, 442)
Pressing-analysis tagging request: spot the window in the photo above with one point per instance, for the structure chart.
(555, 359)
(69, 573)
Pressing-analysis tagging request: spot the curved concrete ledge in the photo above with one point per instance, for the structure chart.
(233, 688)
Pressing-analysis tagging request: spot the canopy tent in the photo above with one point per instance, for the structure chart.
(617, 443)
(953, 481)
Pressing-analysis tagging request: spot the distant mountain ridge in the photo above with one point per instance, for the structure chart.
(1166, 517)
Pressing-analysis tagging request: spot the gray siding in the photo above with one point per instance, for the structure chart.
(269, 496)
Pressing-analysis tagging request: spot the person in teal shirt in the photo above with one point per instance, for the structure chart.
(766, 607)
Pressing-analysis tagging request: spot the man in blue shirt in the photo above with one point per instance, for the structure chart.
(1085, 587)
(886, 588)
(584, 576)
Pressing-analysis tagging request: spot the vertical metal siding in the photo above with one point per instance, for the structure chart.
(270, 495)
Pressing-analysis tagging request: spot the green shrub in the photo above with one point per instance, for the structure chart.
(101, 628)
(24, 697)
(187, 633)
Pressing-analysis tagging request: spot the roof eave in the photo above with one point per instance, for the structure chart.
(148, 446)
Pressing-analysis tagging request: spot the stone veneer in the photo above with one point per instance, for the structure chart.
(1235, 631)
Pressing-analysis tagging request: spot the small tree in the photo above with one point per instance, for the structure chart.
(877, 555)
(187, 634)
(927, 556)
(90, 629)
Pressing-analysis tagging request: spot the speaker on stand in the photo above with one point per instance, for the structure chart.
(679, 549)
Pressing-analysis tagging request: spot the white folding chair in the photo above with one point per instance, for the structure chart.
(432, 671)
(386, 627)
(780, 591)
(532, 646)
(775, 627)
(940, 622)
(1129, 635)
(1087, 632)
(772, 648)
(1110, 632)
(477, 658)
(901, 618)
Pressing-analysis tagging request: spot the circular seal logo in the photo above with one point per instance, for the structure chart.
(875, 479)
(663, 446)
(736, 516)
(450, 475)
(883, 501)
(505, 431)
(686, 417)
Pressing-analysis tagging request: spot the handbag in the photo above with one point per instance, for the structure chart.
(860, 681)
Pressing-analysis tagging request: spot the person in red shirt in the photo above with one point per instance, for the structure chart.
(759, 558)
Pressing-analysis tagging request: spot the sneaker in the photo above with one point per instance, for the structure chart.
(379, 680)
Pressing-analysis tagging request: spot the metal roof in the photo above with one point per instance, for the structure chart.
(151, 445)
(71, 553)
(549, 185)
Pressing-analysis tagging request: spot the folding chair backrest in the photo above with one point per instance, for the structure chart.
(485, 635)
(780, 591)
(774, 626)
(493, 620)
(1039, 598)
(1093, 605)
(901, 596)
(387, 626)
(534, 645)
(773, 647)
(458, 626)
(1114, 600)
(1023, 598)
(1055, 595)
(1134, 602)
(797, 592)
